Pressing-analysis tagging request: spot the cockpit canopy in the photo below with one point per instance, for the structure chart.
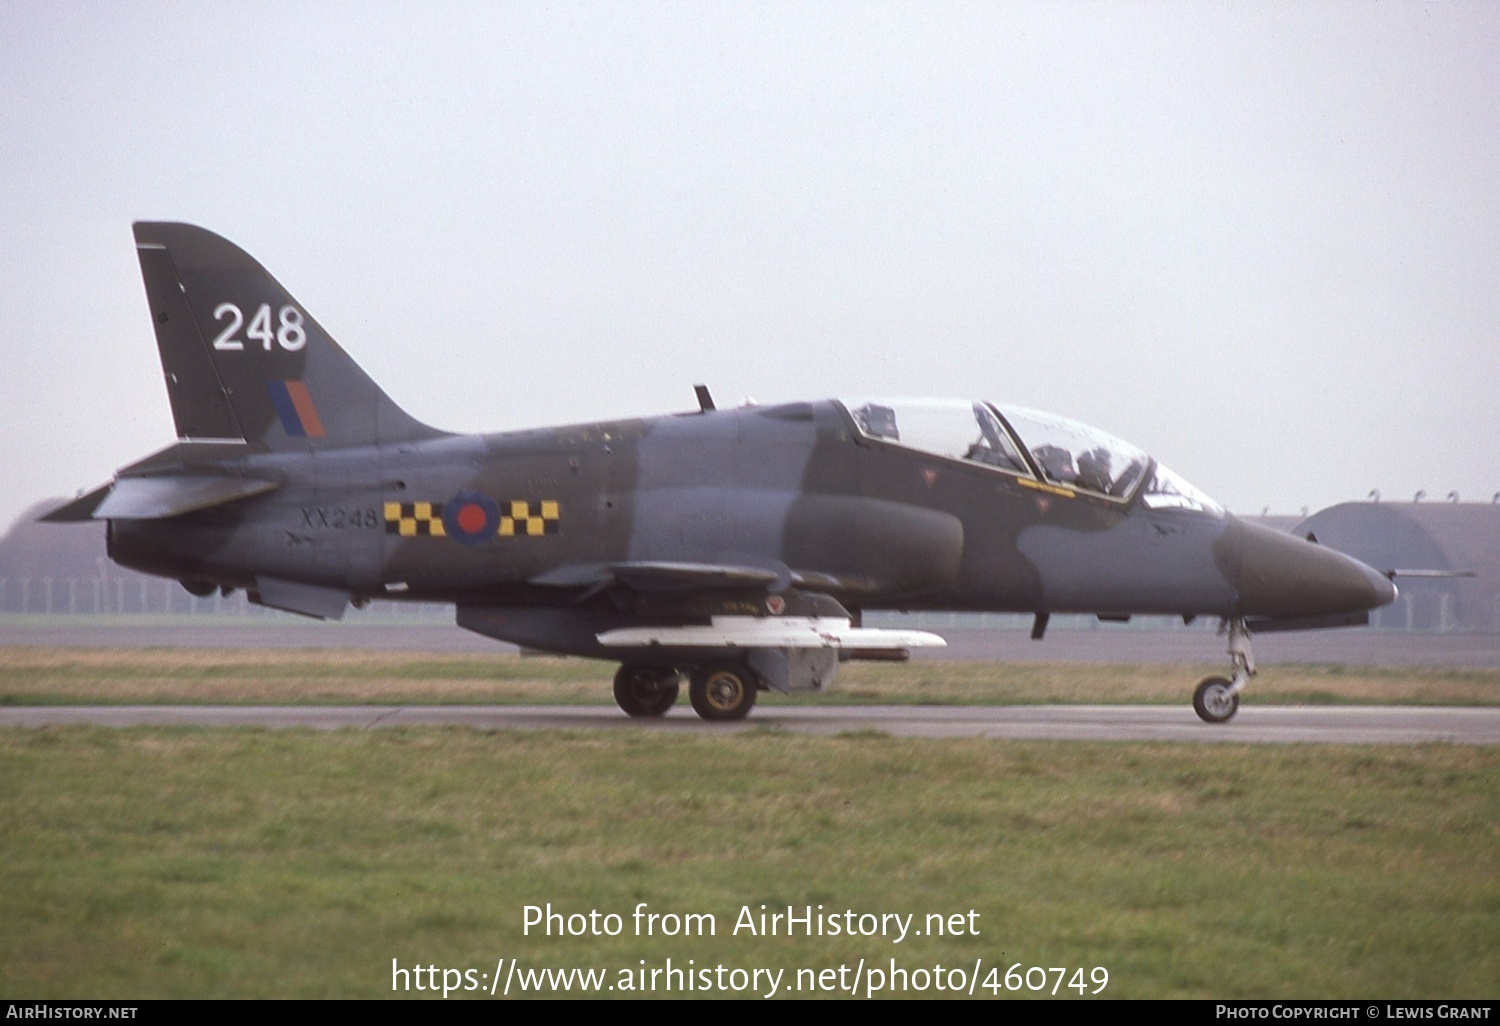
(1029, 443)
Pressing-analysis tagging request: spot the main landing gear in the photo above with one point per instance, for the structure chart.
(1216, 699)
(645, 690)
(720, 690)
(723, 690)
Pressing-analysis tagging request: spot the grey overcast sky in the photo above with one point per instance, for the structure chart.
(1260, 240)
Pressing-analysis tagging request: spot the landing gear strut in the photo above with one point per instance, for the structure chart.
(645, 690)
(1216, 700)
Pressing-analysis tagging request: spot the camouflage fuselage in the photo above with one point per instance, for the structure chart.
(530, 520)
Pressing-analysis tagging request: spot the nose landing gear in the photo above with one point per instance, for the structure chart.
(1216, 699)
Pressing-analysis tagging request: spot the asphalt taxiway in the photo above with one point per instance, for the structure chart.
(1263, 725)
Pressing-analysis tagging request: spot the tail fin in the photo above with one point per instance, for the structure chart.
(244, 360)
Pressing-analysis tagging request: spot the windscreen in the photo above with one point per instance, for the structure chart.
(1076, 455)
(1166, 490)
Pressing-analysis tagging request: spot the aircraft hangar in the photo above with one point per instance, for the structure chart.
(1447, 555)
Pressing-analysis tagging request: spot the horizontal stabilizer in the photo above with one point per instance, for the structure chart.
(772, 632)
(155, 498)
(76, 510)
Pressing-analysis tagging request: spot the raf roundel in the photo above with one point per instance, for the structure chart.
(470, 518)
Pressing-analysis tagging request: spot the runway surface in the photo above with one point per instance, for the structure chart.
(1261, 725)
(1275, 724)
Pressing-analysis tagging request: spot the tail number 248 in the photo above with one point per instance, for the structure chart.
(288, 332)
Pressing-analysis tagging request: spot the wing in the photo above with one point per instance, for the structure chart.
(662, 576)
(659, 576)
(773, 632)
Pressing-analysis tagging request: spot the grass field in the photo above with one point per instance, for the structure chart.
(34, 675)
(147, 863)
(153, 863)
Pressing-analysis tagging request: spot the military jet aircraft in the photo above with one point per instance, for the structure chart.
(736, 547)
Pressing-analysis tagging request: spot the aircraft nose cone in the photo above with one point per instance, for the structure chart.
(1281, 575)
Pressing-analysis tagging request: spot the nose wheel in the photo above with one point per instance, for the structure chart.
(1216, 699)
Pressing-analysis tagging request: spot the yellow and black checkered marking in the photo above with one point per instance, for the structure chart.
(411, 519)
(518, 520)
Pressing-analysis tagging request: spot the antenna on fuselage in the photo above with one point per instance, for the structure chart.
(705, 401)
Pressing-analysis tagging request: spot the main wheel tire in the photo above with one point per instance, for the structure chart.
(723, 691)
(644, 691)
(1214, 701)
